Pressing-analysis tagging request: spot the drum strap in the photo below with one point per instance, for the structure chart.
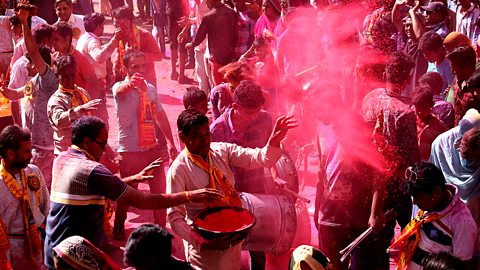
(216, 177)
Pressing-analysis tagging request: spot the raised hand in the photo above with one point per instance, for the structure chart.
(89, 106)
(283, 124)
(147, 172)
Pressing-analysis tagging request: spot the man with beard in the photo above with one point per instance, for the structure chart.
(24, 199)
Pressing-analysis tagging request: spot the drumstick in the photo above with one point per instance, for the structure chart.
(346, 251)
(306, 71)
(294, 194)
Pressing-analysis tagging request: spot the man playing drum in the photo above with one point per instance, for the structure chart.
(204, 164)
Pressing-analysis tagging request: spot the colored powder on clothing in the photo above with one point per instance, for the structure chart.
(225, 220)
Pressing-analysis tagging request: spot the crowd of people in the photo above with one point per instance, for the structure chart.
(386, 93)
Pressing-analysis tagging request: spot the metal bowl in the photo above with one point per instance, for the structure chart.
(211, 231)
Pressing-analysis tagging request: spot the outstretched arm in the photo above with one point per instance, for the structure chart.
(32, 48)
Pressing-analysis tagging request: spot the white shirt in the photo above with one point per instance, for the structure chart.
(96, 53)
(78, 28)
(184, 175)
(19, 73)
(6, 42)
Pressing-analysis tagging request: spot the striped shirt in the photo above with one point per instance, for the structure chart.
(467, 23)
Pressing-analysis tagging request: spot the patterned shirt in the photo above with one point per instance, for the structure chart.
(399, 126)
(11, 208)
(464, 99)
(245, 34)
(36, 118)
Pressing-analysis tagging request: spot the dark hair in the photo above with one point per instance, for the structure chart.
(123, 13)
(422, 96)
(423, 177)
(433, 80)
(63, 62)
(473, 82)
(193, 97)
(15, 21)
(69, 2)
(63, 29)
(86, 127)
(130, 55)
(41, 32)
(146, 244)
(463, 56)
(189, 119)
(92, 20)
(430, 41)
(45, 52)
(249, 95)
(399, 67)
(11, 137)
(442, 261)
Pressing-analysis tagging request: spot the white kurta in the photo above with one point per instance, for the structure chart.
(184, 175)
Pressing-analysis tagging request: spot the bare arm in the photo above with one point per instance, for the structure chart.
(142, 200)
(377, 218)
(396, 14)
(418, 28)
(30, 42)
(12, 94)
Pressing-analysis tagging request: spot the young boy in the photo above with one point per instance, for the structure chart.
(196, 99)
(443, 223)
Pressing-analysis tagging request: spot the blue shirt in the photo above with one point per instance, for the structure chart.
(445, 70)
(127, 107)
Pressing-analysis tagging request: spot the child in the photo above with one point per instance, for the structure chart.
(443, 223)
(196, 99)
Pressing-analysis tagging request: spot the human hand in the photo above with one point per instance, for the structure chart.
(205, 195)
(117, 34)
(147, 172)
(189, 46)
(172, 151)
(89, 106)
(283, 124)
(400, 2)
(376, 222)
(184, 21)
(137, 81)
(23, 11)
(280, 183)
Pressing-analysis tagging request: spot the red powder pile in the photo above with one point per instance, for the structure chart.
(225, 220)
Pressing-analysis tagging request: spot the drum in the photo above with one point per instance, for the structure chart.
(286, 171)
(276, 224)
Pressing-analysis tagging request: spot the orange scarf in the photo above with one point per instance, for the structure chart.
(4, 246)
(122, 49)
(147, 113)
(79, 96)
(217, 178)
(410, 237)
(20, 193)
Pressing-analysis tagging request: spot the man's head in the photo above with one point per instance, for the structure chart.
(425, 183)
(381, 33)
(196, 99)
(422, 101)
(66, 70)
(134, 62)
(64, 9)
(236, 72)
(15, 146)
(433, 80)
(94, 23)
(46, 56)
(408, 28)
(470, 145)
(123, 19)
(16, 25)
(149, 247)
(431, 45)
(399, 69)
(435, 13)
(247, 100)
(42, 34)
(90, 133)
(193, 131)
(62, 37)
(463, 61)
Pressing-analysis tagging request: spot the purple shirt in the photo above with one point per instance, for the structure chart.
(254, 135)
